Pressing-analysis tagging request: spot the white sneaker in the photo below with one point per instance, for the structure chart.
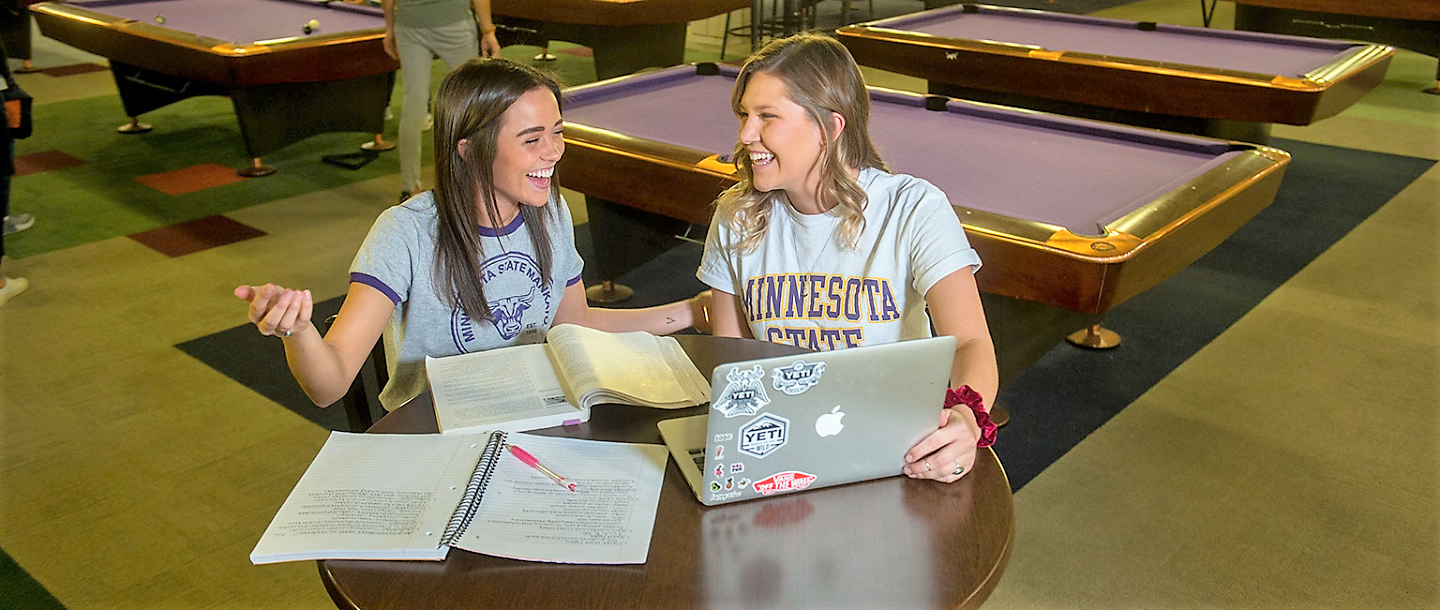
(429, 122)
(16, 223)
(13, 287)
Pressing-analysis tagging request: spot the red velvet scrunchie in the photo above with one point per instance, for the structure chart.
(963, 395)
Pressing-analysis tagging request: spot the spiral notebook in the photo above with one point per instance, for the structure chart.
(414, 496)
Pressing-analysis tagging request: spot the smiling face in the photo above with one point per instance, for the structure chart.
(529, 144)
(784, 142)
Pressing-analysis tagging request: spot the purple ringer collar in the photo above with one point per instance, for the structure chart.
(505, 230)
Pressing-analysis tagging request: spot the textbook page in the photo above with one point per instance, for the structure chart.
(512, 389)
(373, 496)
(608, 520)
(651, 371)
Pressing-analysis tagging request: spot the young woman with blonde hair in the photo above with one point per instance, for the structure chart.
(820, 246)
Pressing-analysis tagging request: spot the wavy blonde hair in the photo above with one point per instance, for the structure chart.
(821, 77)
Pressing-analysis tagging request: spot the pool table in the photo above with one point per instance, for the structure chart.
(1070, 216)
(1409, 24)
(286, 85)
(626, 35)
(1198, 80)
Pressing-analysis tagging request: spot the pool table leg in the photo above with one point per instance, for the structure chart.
(1094, 336)
(624, 238)
(619, 50)
(256, 169)
(379, 144)
(275, 116)
(628, 49)
(134, 126)
(143, 90)
(1023, 332)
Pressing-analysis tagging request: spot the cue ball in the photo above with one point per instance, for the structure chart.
(159, 19)
(311, 26)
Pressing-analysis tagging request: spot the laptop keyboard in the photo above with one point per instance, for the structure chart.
(699, 456)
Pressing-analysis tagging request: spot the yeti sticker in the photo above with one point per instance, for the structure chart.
(744, 393)
(795, 379)
(764, 435)
(518, 297)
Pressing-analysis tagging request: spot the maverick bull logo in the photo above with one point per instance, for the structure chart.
(509, 313)
(519, 303)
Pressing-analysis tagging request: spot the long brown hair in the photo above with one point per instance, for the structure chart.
(820, 76)
(468, 107)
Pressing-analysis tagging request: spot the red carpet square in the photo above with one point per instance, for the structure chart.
(45, 161)
(196, 235)
(73, 69)
(579, 51)
(190, 179)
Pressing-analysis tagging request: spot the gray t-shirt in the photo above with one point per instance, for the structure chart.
(398, 259)
(801, 286)
(415, 14)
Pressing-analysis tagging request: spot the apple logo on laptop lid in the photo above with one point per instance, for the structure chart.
(829, 424)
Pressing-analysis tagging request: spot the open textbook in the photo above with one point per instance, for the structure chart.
(526, 387)
(413, 496)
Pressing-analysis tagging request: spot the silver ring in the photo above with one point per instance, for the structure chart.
(959, 470)
(927, 465)
(283, 334)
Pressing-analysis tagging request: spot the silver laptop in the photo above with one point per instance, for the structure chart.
(781, 425)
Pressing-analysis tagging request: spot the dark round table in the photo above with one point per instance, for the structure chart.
(887, 543)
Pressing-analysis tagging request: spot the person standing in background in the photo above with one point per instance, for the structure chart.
(15, 31)
(15, 126)
(415, 32)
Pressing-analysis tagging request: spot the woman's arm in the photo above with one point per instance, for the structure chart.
(949, 452)
(324, 366)
(955, 309)
(489, 46)
(658, 320)
(388, 43)
(727, 316)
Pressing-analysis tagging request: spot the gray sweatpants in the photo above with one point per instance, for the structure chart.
(454, 44)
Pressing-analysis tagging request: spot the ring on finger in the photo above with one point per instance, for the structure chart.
(959, 470)
(282, 333)
(927, 465)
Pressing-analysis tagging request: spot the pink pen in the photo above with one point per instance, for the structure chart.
(534, 463)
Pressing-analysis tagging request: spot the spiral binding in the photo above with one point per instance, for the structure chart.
(475, 491)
